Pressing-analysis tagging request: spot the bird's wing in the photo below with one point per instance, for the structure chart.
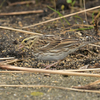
(65, 43)
(50, 45)
(58, 44)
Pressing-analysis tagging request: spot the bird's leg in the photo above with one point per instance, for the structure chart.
(48, 66)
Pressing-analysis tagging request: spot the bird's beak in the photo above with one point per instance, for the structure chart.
(21, 46)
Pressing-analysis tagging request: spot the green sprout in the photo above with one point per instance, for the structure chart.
(69, 1)
(76, 16)
(62, 8)
(2, 3)
(59, 14)
(72, 4)
(81, 29)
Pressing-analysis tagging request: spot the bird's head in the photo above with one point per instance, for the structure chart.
(28, 42)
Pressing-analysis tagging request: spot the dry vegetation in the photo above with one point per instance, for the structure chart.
(52, 37)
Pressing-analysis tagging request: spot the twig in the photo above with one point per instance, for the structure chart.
(21, 3)
(82, 25)
(7, 58)
(47, 86)
(47, 71)
(85, 11)
(94, 11)
(62, 17)
(97, 16)
(91, 86)
(94, 45)
(14, 72)
(21, 13)
(81, 70)
(19, 30)
(10, 61)
(77, 70)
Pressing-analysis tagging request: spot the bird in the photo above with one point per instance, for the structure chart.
(52, 48)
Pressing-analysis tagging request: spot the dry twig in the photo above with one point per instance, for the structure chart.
(61, 17)
(47, 71)
(10, 61)
(77, 70)
(21, 13)
(47, 86)
(19, 30)
(6, 58)
(91, 86)
(21, 3)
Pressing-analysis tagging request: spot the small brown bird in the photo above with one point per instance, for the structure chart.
(51, 48)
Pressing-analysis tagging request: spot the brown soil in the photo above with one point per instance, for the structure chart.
(9, 41)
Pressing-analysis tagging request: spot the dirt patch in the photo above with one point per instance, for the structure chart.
(9, 41)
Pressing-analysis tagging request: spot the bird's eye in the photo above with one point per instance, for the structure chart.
(25, 41)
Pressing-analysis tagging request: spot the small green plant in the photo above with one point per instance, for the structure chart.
(81, 29)
(2, 3)
(71, 2)
(62, 8)
(76, 16)
(59, 14)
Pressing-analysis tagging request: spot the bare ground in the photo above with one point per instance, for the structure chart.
(8, 44)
